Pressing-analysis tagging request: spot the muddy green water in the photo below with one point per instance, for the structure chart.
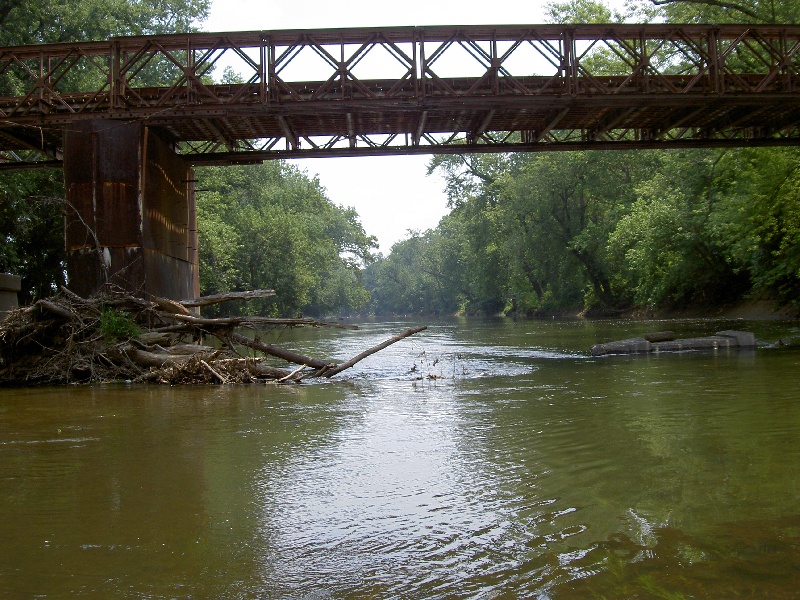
(524, 469)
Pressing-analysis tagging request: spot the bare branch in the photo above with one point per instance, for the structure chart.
(373, 350)
(718, 3)
(225, 296)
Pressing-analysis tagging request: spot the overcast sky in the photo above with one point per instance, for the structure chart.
(391, 194)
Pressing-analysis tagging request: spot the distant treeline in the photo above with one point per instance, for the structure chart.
(547, 233)
(605, 230)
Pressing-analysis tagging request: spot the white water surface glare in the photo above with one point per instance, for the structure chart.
(481, 458)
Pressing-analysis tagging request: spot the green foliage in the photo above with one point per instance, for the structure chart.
(545, 233)
(580, 11)
(711, 227)
(31, 202)
(728, 11)
(32, 230)
(423, 273)
(269, 226)
(757, 219)
(117, 325)
(47, 21)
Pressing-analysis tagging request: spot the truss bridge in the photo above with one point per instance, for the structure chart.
(403, 90)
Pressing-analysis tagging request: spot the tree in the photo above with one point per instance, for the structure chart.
(756, 219)
(711, 227)
(49, 21)
(31, 202)
(728, 11)
(580, 11)
(473, 184)
(269, 226)
(32, 230)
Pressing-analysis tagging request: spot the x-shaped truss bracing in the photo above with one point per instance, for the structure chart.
(413, 89)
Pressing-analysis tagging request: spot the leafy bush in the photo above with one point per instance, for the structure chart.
(117, 325)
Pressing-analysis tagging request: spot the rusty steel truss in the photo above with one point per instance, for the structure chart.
(407, 90)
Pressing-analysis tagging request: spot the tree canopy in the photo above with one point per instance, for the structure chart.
(48, 21)
(608, 230)
(270, 226)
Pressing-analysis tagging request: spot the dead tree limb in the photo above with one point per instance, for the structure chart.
(292, 374)
(219, 377)
(287, 355)
(237, 321)
(171, 306)
(373, 350)
(225, 296)
(55, 309)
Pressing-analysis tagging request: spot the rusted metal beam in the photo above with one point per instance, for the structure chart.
(539, 84)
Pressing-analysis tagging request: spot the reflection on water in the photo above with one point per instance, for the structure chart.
(479, 459)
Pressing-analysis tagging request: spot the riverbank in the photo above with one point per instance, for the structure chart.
(754, 310)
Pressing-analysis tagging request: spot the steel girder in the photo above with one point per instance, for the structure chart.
(412, 90)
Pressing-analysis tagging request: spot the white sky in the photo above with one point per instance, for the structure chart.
(391, 194)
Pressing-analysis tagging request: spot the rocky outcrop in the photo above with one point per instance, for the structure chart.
(662, 341)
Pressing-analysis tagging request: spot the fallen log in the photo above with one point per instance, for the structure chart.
(225, 296)
(373, 350)
(250, 321)
(152, 337)
(189, 349)
(668, 343)
(171, 306)
(287, 355)
(253, 366)
(55, 309)
(147, 359)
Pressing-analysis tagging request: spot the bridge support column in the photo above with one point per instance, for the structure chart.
(131, 217)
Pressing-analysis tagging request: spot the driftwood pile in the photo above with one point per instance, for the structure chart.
(116, 336)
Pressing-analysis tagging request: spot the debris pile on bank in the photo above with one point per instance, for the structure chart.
(116, 336)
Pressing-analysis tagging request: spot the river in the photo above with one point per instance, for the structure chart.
(482, 458)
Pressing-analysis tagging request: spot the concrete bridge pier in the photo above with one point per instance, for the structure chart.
(9, 286)
(130, 218)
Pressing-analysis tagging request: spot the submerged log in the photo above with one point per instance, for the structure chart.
(629, 346)
(660, 336)
(723, 339)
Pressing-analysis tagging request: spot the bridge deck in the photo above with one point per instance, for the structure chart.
(413, 90)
